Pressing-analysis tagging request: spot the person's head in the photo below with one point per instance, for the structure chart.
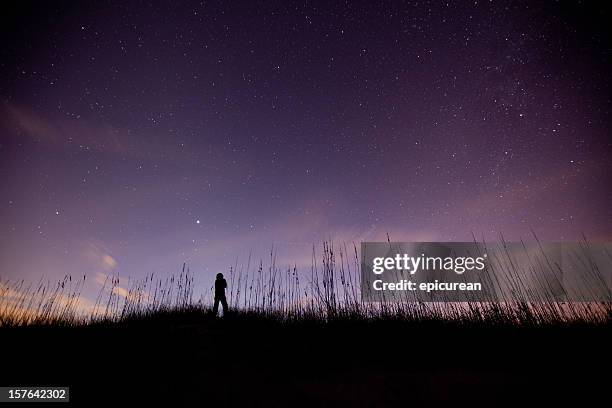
(219, 276)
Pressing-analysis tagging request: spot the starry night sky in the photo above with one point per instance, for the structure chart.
(135, 138)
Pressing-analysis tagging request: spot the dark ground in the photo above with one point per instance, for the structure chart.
(193, 360)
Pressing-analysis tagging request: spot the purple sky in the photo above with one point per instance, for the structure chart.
(136, 138)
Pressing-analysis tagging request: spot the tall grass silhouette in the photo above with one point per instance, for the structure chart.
(330, 290)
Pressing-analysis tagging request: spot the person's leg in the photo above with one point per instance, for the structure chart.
(224, 304)
(216, 307)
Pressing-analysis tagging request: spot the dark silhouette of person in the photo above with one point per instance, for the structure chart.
(220, 285)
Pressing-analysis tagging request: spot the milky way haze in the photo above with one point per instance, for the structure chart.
(138, 137)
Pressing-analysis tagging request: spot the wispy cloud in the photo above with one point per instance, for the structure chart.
(75, 132)
(99, 256)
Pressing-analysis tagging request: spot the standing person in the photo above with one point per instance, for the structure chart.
(220, 285)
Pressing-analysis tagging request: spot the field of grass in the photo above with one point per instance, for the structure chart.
(330, 290)
(287, 342)
(189, 358)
